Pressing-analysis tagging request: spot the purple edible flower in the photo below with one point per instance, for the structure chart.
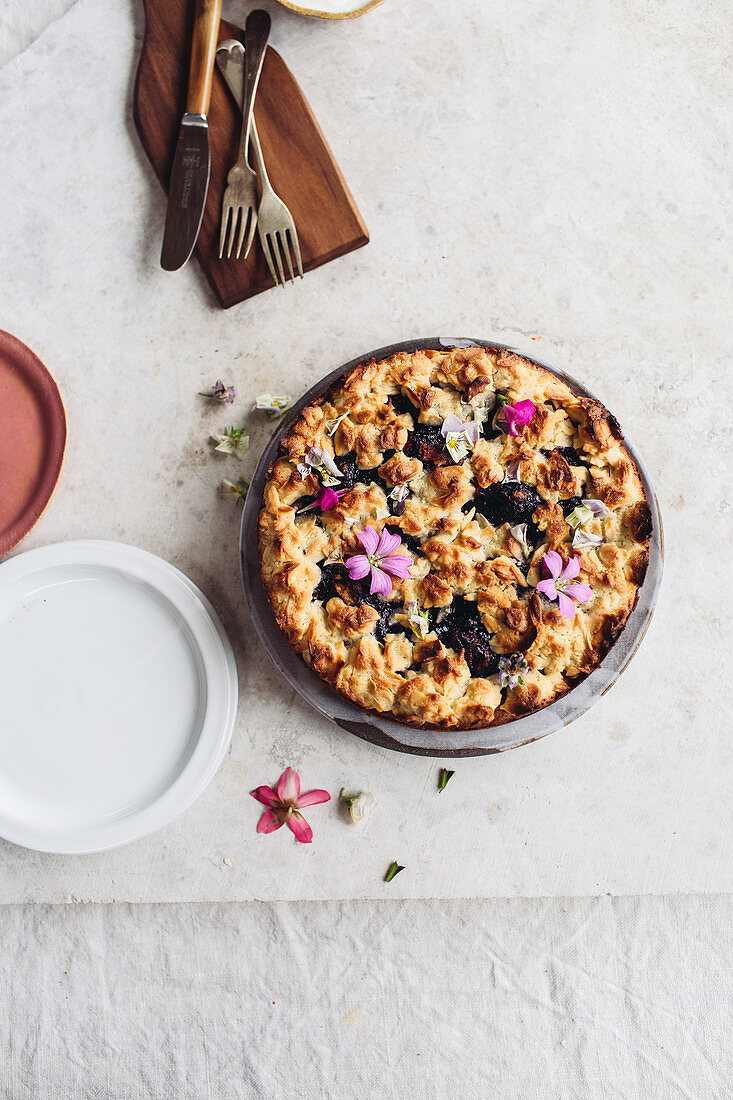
(219, 392)
(512, 669)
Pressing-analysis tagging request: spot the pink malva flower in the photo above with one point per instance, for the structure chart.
(283, 806)
(327, 498)
(519, 415)
(379, 560)
(558, 587)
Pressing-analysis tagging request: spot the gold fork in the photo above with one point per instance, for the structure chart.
(275, 225)
(239, 205)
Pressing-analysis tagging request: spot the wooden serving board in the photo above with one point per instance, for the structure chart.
(299, 162)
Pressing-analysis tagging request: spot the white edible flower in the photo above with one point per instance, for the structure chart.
(232, 441)
(461, 436)
(273, 406)
(418, 618)
(358, 804)
(584, 513)
(582, 538)
(334, 558)
(520, 534)
(321, 463)
(598, 508)
(579, 515)
(456, 446)
(332, 425)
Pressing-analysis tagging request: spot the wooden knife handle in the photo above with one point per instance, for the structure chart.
(203, 52)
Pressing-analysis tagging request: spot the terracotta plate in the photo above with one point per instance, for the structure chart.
(32, 440)
(378, 728)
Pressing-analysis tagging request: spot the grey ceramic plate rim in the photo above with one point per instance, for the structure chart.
(383, 731)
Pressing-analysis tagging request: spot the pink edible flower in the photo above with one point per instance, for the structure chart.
(379, 560)
(283, 806)
(327, 498)
(519, 415)
(558, 587)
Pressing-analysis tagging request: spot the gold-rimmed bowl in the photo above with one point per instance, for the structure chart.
(332, 9)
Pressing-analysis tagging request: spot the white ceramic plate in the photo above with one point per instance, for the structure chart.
(118, 694)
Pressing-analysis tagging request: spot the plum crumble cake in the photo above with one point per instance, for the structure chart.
(453, 538)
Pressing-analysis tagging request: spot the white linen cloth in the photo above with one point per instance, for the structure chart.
(545, 999)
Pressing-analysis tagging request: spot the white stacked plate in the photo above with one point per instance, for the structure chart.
(118, 695)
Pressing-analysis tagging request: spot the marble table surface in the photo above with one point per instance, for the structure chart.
(562, 184)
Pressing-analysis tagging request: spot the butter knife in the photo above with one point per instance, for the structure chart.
(192, 161)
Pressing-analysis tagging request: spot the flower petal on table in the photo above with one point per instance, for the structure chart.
(312, 798)
(567, 607)
(266, 796)
(553, 561)
(300, 828)
(288, 788)
(580, 592)
(268, 822)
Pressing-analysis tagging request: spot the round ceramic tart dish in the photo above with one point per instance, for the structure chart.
(453, 538)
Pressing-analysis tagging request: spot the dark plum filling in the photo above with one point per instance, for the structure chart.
(402, 404)
(462, 629)
(335, 581)
(569, 504)
(397, 507)
(351, 472)
(426, 442)
(511, 502)
(386, 611)
(410, 541)
(570, 455)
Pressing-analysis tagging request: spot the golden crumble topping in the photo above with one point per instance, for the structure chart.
(453, 538)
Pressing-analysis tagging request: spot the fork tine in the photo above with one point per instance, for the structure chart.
(248, 215)
(293, 234)
(225, 213)
(236, 215)
(276, 252)
(252, 227)
(284, 247)
(266, 249)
